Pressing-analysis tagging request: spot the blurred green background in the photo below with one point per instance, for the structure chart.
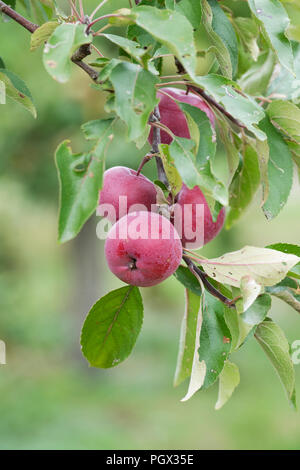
(50, 398)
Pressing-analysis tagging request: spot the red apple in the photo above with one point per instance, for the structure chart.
(200, 222)
(172, 116)
(143, 249)
(123, 182)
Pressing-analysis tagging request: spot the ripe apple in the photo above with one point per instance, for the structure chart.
(201, 221)
(133, 189)
(172, 116)
(143, 249)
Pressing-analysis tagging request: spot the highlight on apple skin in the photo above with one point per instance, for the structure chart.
(172, 116)
(143, 249)
(201, 220)
(121, 181)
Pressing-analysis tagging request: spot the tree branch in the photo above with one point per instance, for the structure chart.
(78, 55)
(203, 276)
(155, 117)
(31, 27)
(199, 91)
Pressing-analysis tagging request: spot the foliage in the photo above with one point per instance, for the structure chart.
(258, 125)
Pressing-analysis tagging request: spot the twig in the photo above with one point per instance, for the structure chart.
(74, 11)
(173, 82)
(110, 15)
(81, 9)
(31, 27)
(200, 92)
(97, 50)
(97, 9)
(98, 33)
(78, 55)
(203, 276)
(155, 118)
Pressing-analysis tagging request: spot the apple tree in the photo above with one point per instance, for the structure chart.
(235, 85)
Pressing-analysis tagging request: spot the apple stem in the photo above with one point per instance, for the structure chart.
(211, 289)
(145, 160)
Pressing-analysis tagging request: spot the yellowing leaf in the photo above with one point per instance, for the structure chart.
(198, 367)
(250, 290)
(42, 34)
(187, 337)
(228, 381)
(267, 267)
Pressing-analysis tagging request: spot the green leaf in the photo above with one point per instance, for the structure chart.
(262, 149)
(267, 267)
(171, 29)
(254, 315)
(2, 93)
(289, 249)
(173, 176)
(222, 36)
(64, 41)
(206, 147)
(141, 36)
(288, 291)
(242, 326)
(256, 79)
(274, 343)
(107, 70)
(112, 326)
(243, 108)
(191, 10)
(231, 318)
(214, 339)
(135, 96)
(248, 33)
(42, 10)
(188, 279)
(194, 173)
(228, 380)
(205, 150)
(187, 337)
(218, 47)
(126, 17)
(17, 90)
(80, 179)
(285, 85)
(258, 311)
(2, 65)
(274, 20)
(11, 3)
(280, 171)
(243, 186)
(198, 370)
(232, 152)
(42, 34)
(94, 130)
(286, 117)
(131, 47)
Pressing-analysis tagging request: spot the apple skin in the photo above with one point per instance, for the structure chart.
(172, 116)
(143, 261)
(122, 181)
(211, 229)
